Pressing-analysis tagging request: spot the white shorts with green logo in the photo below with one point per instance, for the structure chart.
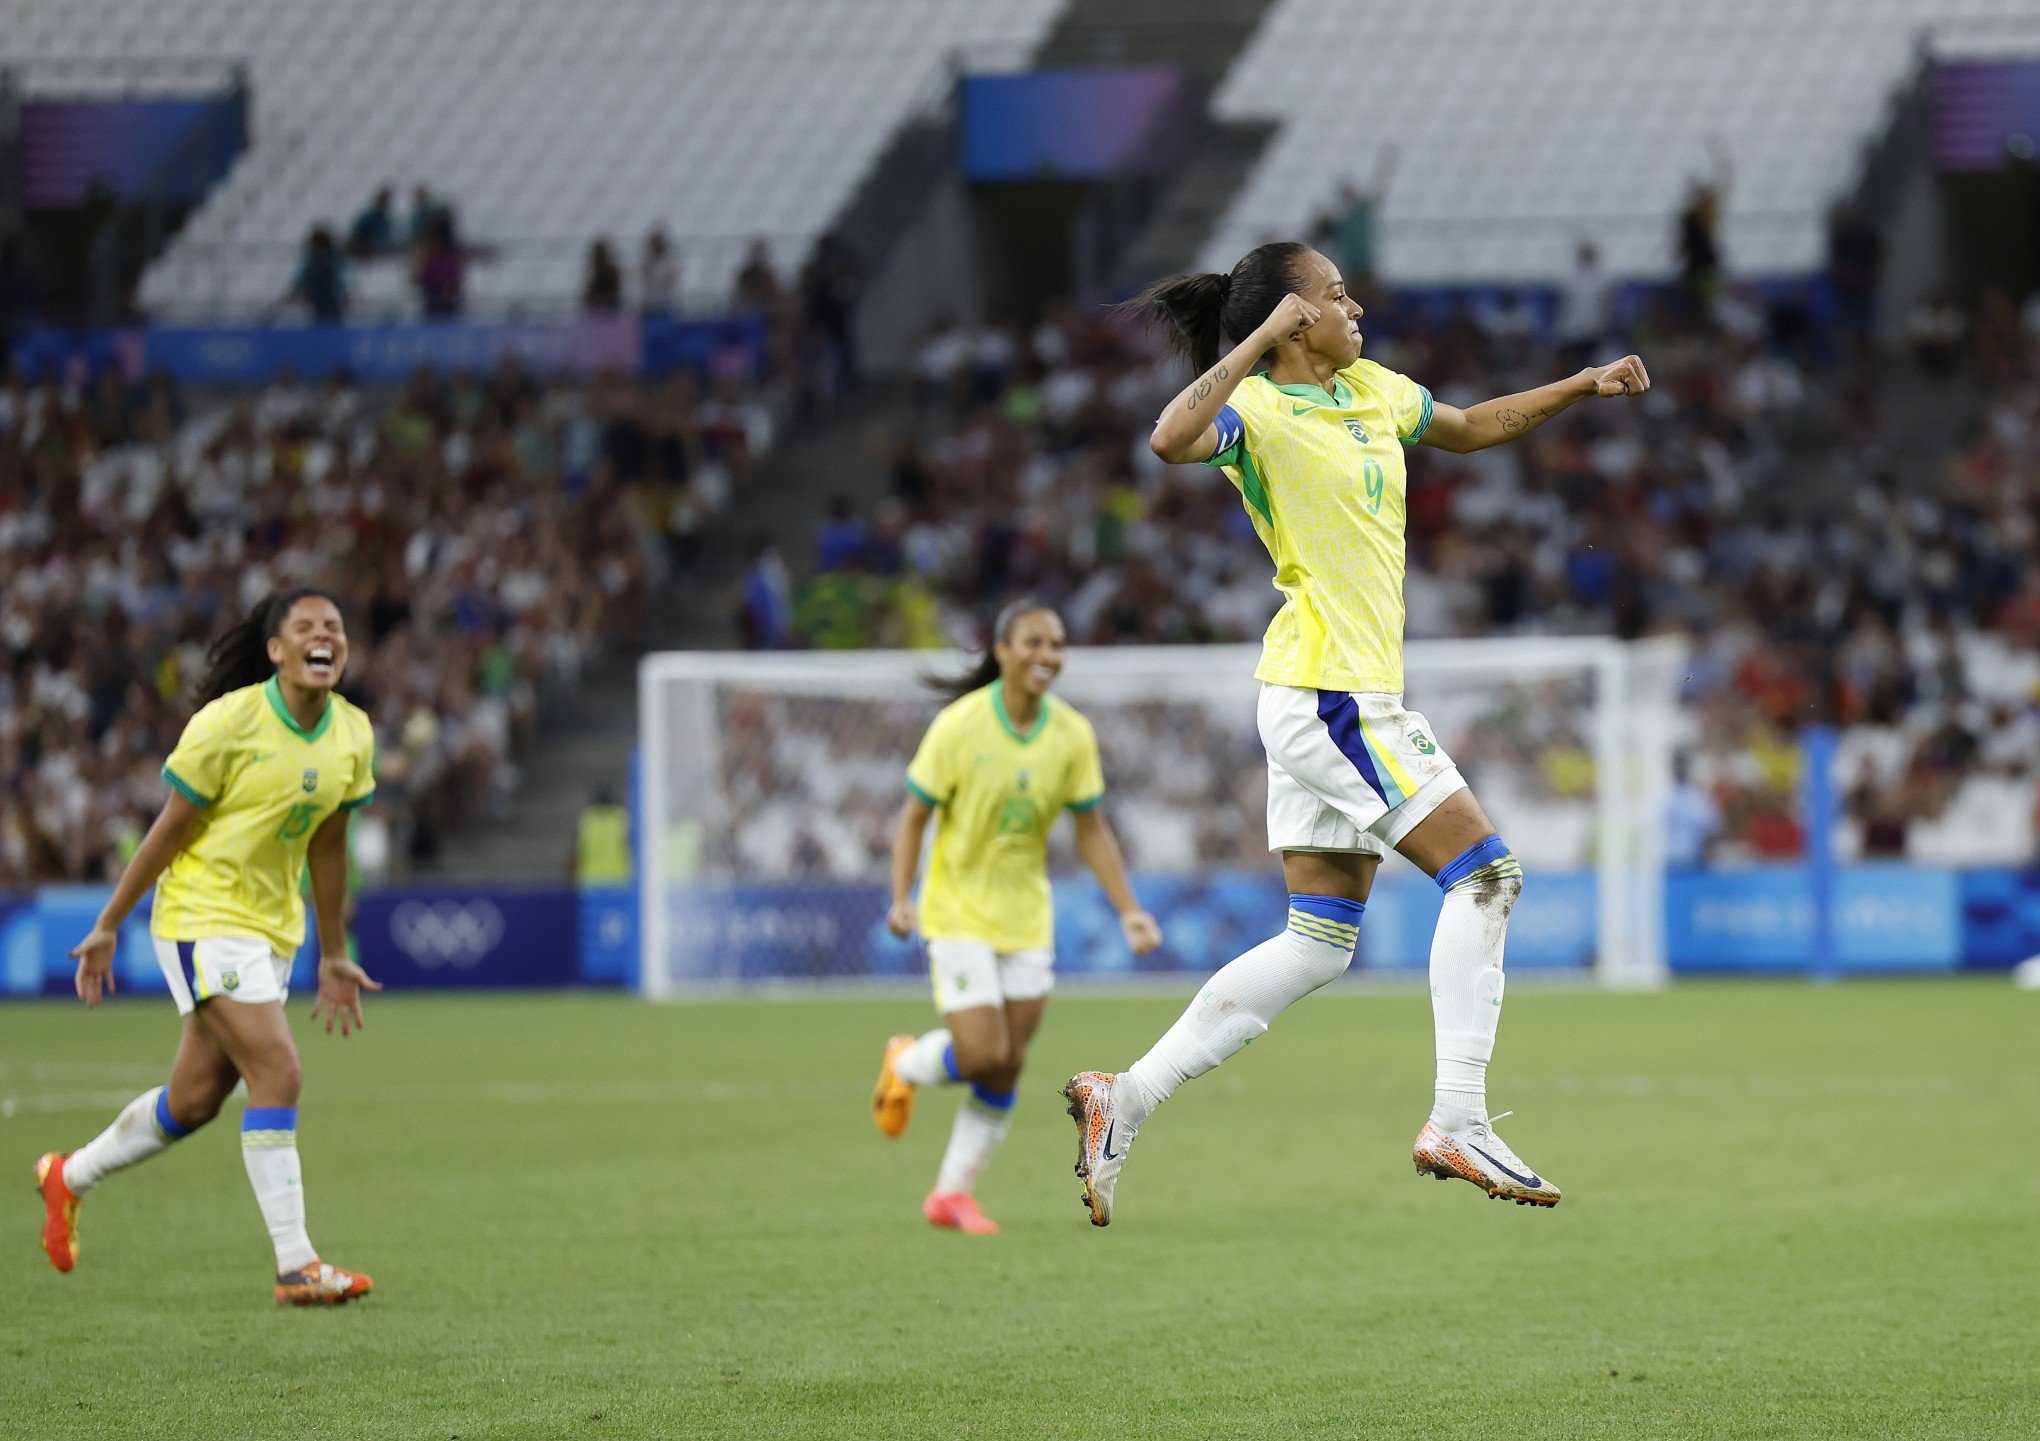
(970, 973)
(1348, 772)
(241, 968)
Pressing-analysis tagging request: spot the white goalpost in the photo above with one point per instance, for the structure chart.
(769, 783)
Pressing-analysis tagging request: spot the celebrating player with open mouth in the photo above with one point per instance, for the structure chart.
(999, 763)
(1312, 435)
(262, 782)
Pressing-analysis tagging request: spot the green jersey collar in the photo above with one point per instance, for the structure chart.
(998, 689)
(1340, 394)
(274, 691)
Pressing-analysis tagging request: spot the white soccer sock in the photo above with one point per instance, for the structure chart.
(1237, 1004)
(981, 1124)
(269, 1151)
(143, 1128)
(929, 1061)
(1481, 886)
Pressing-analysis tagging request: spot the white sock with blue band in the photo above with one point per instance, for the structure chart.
(1236, 1005)
(269, 1151)
(981, 1124)
(930, 1061)
(144, 1128)
(1480, 884)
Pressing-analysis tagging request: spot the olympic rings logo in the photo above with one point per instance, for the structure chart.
(447, 933)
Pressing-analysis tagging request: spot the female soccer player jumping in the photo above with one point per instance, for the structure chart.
(262, 782)
(999, 763)
(1312, 435)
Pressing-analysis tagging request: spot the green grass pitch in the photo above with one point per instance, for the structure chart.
(1790, 1212)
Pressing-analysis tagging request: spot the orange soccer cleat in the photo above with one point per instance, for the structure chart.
(958, 1211)
(892, 1100)
(60, 1211)
(321, 1285)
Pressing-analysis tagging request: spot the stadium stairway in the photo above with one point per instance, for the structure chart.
(1203, 37)
(583, 745)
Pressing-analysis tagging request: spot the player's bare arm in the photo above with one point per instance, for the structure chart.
(1511, 417)
(1098, 848)
(902, 917)
(167, 836)
(1185, 434)
(341, 979)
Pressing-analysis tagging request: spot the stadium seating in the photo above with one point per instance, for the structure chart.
(1474, 96)
(546, 122)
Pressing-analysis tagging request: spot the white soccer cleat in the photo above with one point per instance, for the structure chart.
(1102, 1139)
(1478, 1155)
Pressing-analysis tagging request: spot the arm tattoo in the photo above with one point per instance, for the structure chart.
(1221, 372)
(1515, 422)
(1203, 389)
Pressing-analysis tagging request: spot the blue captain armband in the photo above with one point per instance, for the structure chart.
(1231, 432)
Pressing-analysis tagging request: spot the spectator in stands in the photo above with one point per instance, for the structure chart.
(1347, 231)
(765, 599)
(1692, 819)
(1699, 238)
(658, 275)
(828, 290)
(602, 291)
(321, 280)
(426, 212)
(842, 539)
(1585, 306)
(374, 231)
(757, 281)
(1935, 331)
(1855, 256)
(441, 270)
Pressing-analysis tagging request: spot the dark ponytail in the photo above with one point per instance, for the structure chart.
(241, 656)
(986, 670)
(1209, 311)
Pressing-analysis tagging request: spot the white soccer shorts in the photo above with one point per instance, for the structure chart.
(241, 968)
(1348, 772)
(970, 973)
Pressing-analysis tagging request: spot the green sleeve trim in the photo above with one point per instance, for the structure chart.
(185, 789)
(358, 802)
(1423, 419)
(920, 795)
(1090, 805)
(1252, 488)
(1229, 456)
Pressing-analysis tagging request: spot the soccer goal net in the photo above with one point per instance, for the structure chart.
(770, 784)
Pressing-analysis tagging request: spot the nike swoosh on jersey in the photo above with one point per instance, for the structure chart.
(1303, 410)
(1518, 1177)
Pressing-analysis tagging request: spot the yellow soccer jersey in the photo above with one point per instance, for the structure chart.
(997, 792)
(1323, 480)
(265, 785)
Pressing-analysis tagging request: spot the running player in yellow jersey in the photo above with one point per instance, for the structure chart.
(261, 785)
(999, 764)
(1312, 434)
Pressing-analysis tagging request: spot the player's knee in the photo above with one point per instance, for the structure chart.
(1488, 874)
(988, 1066)
(277, 1080)
(1330, 925)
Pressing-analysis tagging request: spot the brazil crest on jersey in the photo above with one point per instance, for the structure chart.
(997, 790)
(1321, 473)
(265, 785)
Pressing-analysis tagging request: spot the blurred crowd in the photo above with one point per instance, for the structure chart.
(488, 537)
(1846, 535)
